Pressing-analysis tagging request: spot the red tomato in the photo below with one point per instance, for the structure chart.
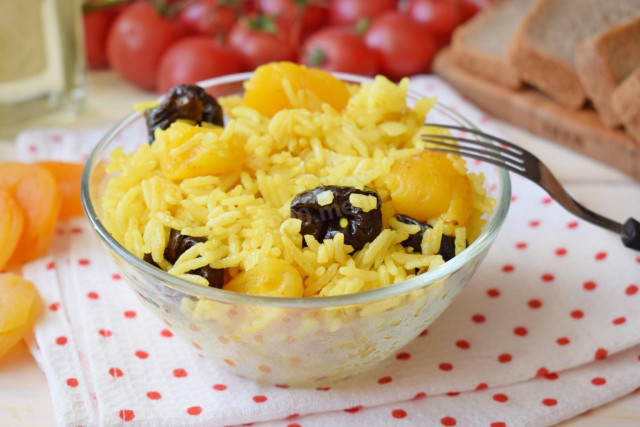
(96, 28)
(196, 58)
(339, 49)
(438, 17)
(303, 16)
(259, 41)
(207, 17)
(351, 11)
(468, 8)
(136, 43)
(405, 48)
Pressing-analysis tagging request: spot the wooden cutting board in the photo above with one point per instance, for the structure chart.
(579, 130)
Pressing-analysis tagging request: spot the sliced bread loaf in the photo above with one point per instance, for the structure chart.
(481, 45)
(544, 47)
(605, 60)
(626, 103)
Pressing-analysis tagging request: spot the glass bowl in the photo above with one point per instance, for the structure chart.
(300, 342)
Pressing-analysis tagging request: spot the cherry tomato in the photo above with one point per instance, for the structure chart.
(196, 58)
(96, 28)
(302, 17)
(351, 11)
(339, 49)
(136, 43)
(468, 8)
(259, 40)
(207, 17)
(438, 17)
(405, 49)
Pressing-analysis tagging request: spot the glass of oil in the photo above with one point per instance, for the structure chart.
(42, 70)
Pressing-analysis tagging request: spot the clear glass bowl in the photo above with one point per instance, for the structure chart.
(295, 341)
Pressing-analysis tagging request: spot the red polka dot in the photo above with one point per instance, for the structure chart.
(452, 393)
(498, 424)
(520, 331)
(259, 399)
(561, 252)
(500, 397)
(631, 290)
(154, 395)
(179, 373)
(563, 341)
(619, 320)
(51, 265)
(534, 223)
(552, 376)
(508, 268)
(542, 372)
(424, 333)
(482, 386)
(294, 425)
(141, 354)
(115, 372)
(282, 385)
(105, 333)
(166, 333)
(385, 380)
(398, 413)
(72, 382)
(577, 314)
(504, 358)
(572, 224)
(493, 293)
(329, 388)
(589, 285)
(76, 230)
(463, 344)
(61, 340)
(478, 318)
(521, 245)
(598, 381)
(448, 421)
(130, 314)
(353, 410)
(548, 277)
(220, 387)
(126, 414)
(55, 306)
(93, 295)
(549, 402)
(420, 395)
(194, 410)
(514, 198)
(403, 356)
(116, 276)
(600, 256)
(84, 262)
(445, 366)
(535, 303)
(547, 200)
(601, 353)
(292, 416)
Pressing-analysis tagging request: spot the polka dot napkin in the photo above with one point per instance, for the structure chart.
(548, 328)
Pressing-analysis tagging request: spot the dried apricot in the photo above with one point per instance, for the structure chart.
(68, 177)
(37, 194)
(280, 85)
(428, 185)
(11, 223)
(19, 307)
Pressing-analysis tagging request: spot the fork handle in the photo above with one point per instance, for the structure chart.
(631, 238)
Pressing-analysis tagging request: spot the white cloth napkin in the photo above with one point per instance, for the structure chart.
(547, 328)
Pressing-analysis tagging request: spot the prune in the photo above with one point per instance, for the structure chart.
(447, 243)
(338, 216)
(176, 246)
(188, 102)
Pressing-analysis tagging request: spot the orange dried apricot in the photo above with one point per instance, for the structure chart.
(11, 224)
(68, 177)
(267, 93)
(19, 307)
(427, 185)
(37, 194)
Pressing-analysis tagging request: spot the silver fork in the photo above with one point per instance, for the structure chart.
(507, 155)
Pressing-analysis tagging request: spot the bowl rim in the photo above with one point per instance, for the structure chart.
(483, 241)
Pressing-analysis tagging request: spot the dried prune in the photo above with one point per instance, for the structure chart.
(447, 243)
(188, 102)
(148, 258)
(337, 214)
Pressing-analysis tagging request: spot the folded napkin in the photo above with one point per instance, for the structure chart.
(548, 328)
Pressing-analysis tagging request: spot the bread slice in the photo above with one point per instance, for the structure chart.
(605, 60)
(544, 47)
(481, 45)
(626, 103)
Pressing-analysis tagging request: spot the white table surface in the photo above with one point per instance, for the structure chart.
(24, 395)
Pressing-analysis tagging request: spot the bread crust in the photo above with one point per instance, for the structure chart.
(626, 103)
